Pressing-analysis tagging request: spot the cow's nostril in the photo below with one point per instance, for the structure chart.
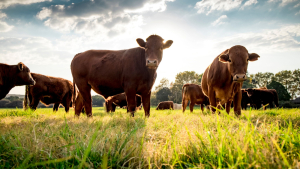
(155, 61)
(148, 61)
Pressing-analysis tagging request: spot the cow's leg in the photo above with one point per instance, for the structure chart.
(146, 103)
(85, 91)
(202, 107)
(131, 101)
(228, 106)
(55, 107)
(184, 105)
(271, 104)
(113, 107)
(34, 103)
(237, 103)
(79, 105)
(212, 100)
(192, 104)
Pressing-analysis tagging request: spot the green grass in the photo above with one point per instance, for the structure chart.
(168, 139)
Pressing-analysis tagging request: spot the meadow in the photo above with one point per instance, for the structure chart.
(168, 139)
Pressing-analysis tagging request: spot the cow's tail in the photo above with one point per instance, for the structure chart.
(25, 102)
(276, 99)
(183, 92)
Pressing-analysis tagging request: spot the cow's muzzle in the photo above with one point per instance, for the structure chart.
(152, 64)
(32, 82)
(239, 77)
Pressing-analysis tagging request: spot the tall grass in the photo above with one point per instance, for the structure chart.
(168, 139)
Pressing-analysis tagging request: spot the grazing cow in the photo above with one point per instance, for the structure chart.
(263, 96)
(49, 90)
(119, 100)
(194, 94)
(223, 79)
(177, 106)
(165, 105)
(245, 99)
(109, 72)
(13, 75)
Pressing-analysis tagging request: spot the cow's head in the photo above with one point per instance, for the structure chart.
(154, 47)
(23, 75)
(250, 92)
(237, 58)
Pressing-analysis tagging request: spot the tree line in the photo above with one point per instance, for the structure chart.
(286, 83)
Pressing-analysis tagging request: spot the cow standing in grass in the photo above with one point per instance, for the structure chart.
(49, 90)
(263, 96)
(13, 75)
(110, 72)
(165, 105)
(194, 94)
(223, 78)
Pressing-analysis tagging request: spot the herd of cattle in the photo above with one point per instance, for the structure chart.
(125, 78)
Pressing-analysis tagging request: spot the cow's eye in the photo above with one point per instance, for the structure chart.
(229, 60)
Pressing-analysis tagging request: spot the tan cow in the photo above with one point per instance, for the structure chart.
(194, 94)
(224, 77)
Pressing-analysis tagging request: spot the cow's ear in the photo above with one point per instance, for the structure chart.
(141, 42)
(168, 44)
(224, 57)
(253, 57)
(21, 66)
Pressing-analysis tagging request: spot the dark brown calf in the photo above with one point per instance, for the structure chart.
(13, 75)
(49, 90)
(223, 79)
(194, 94)
(165, 105)
(119, 100)
(110, 72)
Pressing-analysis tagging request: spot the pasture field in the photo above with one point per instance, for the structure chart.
(168, 139)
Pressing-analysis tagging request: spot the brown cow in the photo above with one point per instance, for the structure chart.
(165, 105)
(263, 96)
(223, 79)
(13, 75)
(49, 90)
(194, 94)
(119, 100)
(109, 72)
(245, 99)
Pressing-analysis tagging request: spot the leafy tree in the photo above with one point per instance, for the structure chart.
(98, 100)
(164, 82)
(163, 94)
(283, 94)
(12, 98)
(263, 79)
(285, 77)
(295, 88)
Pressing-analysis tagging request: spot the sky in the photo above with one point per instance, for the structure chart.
(46, 34)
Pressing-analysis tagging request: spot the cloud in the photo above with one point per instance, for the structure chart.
(297, 13)
(4, 27)
(248, 3)
(282, 39)
(99, 17)
(208, 6)
(219, 20)
(7, 3)
(297, 5)
(283, 2)
(34, 50)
